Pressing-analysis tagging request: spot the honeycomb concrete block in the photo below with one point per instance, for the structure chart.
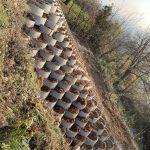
(66, 89)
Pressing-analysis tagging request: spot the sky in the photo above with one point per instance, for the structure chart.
(135, 10)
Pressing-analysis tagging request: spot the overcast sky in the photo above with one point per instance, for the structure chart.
(138, 9)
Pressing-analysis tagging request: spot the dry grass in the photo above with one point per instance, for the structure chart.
(24, 120)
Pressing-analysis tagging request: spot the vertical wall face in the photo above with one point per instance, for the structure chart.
(66, 89)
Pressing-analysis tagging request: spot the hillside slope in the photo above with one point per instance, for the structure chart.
(24, 122)
(117, 124)
(58, 62)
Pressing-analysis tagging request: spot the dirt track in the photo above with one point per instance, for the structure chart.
(111, 111)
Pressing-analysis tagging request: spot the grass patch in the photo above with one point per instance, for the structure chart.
(4, 19)
(25, 123)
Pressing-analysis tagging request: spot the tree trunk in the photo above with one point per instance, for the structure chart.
(116, 84)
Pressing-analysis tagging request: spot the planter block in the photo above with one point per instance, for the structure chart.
(43, 73)
(63, 104)
(36, 10)
(50, 84)
(43, 94)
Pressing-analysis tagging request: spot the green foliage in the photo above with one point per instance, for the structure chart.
(77, 17)
(4, 19)
(104, 33)
(14, 137)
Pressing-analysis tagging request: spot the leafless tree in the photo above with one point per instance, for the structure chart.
(137, 60)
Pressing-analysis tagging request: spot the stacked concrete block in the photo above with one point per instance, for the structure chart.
(66, 89)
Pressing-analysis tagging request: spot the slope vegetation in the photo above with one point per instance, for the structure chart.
(24, 122)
